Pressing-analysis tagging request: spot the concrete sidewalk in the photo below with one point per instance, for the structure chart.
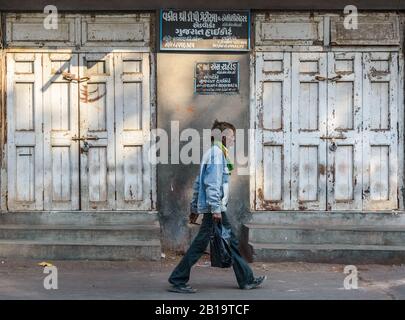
(23, 279)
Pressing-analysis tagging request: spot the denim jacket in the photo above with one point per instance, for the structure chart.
(211, 186)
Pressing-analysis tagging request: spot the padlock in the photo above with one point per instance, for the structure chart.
(85, 147)
(332, 146)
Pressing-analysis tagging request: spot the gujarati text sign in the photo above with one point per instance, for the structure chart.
(217, 77)
(204, 30)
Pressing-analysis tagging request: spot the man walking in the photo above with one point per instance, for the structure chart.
(210, 198)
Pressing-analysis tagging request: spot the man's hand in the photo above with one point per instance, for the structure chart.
(193, 217)
(217, 217)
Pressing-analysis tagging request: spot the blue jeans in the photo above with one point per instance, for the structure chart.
(181, 274)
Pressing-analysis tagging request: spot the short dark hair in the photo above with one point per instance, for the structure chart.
(221, 126)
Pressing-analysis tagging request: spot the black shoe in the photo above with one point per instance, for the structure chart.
(182, 289)
(256, 283)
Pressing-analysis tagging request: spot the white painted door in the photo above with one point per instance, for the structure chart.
(61, 124)
(78, 131)
(97, 151)
(273, 132)
(115, 128)
(327, 131)
(380, 131)
(344, 139)
(24, 131)
(132, 114)
(309, 125)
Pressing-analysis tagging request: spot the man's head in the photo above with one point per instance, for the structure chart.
(224, 132)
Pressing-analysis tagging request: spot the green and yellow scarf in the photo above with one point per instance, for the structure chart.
(224, 149)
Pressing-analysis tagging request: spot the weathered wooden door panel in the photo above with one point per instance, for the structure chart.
(344, 138)
(25, 139)
(273, 79)
(97, 145)
(79, 121)
(308, 125)
(61, 121)
(132, 114)
(341, 150)
(380, 131)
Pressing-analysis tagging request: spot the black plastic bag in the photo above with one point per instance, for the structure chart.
(220, 250)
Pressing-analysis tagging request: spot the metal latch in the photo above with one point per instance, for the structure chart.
(74, 138)
(333, 137)
(322, 78)
(72, 77)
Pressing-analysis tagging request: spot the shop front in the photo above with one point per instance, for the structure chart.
(318, 104)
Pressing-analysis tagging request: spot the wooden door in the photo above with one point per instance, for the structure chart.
(273, 134)
(132, 114)
(380, 131)
(78, 131)
(327, 131)
(344, 138)
(309, 125)
(97, 144)
(24, 131)
(61, 124)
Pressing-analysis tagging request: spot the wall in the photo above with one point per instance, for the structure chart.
(124, 5)
(176, 101)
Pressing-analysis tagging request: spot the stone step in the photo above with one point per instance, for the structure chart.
(329, 218)
(325, 234)
(80, 217)
(80, 250)
(328, 253)
(68, 233)
(106, 235)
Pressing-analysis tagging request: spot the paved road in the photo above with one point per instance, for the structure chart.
(23, 279)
